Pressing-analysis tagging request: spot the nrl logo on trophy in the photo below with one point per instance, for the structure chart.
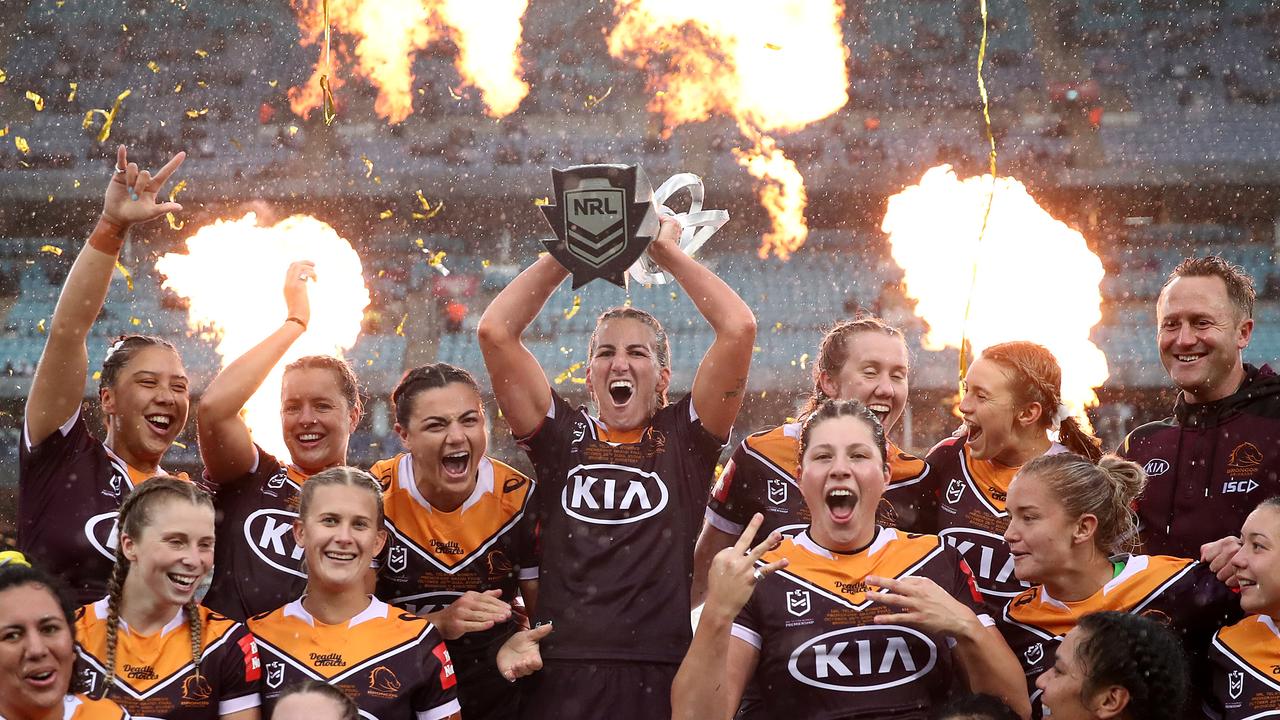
(603, 218)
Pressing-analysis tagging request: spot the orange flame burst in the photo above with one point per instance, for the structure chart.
(233, 274)
(1036, 279)
(389, 33)
(771, 65)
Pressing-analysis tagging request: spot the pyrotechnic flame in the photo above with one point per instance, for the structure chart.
(771, 65)
(1037, 280)
(233, 275)
(388, 34)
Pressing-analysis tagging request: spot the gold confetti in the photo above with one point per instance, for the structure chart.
(40, 326)
(197, 113)
(293, 130)
(804, 361)
(75, 183)
(673, 295)
(177, 88)
(128, 279)
(368, 166)
(273, 83)
(173, 222)
(21, 143)
(4, 131)
(124, 27)
(577, 305)
(97, 375)
(182, 185)
(134, 321)
(202, 83)
(418, 242)
(453, 94)
(385, 214)
(757, 349)
(153, 66)
(539, 202)
(567, 373)
(400, 327)
(108, 116)
(329, 113)
(593, 101)
(202, 53)
(50, 198)
(36, 100)
(54, 249)
(236, 143)
(175, 443)
(72, 95)
(429, 212)
(3, 75)
(772, 46)
(485, 263)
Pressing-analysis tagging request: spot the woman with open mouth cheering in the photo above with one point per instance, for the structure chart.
(392, 663)
(148, 645)
(621, 495)
(70, 483)
(257, 494)
(461, 535)
(847, 618)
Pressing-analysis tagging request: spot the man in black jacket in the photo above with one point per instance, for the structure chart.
(1219, 455)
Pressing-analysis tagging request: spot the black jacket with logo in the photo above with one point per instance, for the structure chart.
(1208, 466)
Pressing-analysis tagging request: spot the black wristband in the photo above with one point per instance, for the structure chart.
(298, 320)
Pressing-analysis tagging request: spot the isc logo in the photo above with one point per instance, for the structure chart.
(612, 494)
(1239, 486)
(270, 534)
(988, 556)
(864, 659)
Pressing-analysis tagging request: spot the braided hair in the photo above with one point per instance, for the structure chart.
(1138, 654)
(122, 351)
(1039, 380)
(829, 409)
(423, 378)
(135, 516)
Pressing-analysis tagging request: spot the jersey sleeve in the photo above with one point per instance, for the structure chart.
(735, 498)
(914, 503)
(555, 431)
(437, 697)
(264, 466)
(528, 555)
(240, 673)
(41, 465)
(746, 626)
(705, 446)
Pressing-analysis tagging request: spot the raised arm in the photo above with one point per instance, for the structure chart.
(225, 444)
(58, 386)
(721, 380)
(519, 384)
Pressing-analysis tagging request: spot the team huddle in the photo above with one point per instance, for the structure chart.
(1016, 570)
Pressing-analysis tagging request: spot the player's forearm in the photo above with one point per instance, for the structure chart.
(233, 387)
(991, 667)
(699, 691)
(515, 307)
(85, 290)
(723, 310)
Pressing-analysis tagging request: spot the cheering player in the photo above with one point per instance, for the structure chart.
(461, 544)
(621, 495)
(38, 651)
(259, 568)
(148, 645)
(1245, 656)
(802, 617)
(1012, 400)
(393, 664)
(1071, 522)
(71, 484)
(861, 359)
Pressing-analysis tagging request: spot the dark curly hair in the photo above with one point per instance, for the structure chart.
(829, 409)
(1138, 654)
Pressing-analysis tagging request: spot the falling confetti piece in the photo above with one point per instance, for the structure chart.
(368, 166)
(453, 94)
(430, 212)
(50, 198)
(72, 95)
(135, 321)
(539, 202)
(197, 113)
(385, 214)
(128, 279)
(97, 375)
(329, 113)
(53, 249)
(3, 75)
(108, 116)
(4, 131)
(485, 263)
(400, 327)
(273, 83)
(202, 83)
(75, 183)
(153, 66)
(173, 222)
(419, 242)
(804, 361)
(436, 260)
(757, 349)
(36, 100)
(202, 53)
(293, 130)
(772, 46)
(236, 143)
(177, 88)
(593, 101)
(21, 144)
(674, 296)
(124, 27)
(577, 305)
(40, 326)
(175, 443)
(567, 373)
(182, 185)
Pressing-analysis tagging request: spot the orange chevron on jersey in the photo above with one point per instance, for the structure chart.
(892, 554)
(451, 540)
(1253, 644)
(1143, 579)
(82, 707)
(384, 632)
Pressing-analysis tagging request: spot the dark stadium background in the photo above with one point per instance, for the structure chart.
(1152, 126)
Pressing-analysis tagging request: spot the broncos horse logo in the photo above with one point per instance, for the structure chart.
(196, 688)
(383, 681)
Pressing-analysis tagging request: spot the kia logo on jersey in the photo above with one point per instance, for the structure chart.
(426, 603)
(1156, 466)
(798, 602)
(397, 558)
(868, 658)
(955, 489)
(777, 491)
(1034, 654)
(607, 494)
(988, 557)
(102, 532)
(270, 534)
(1235, 684)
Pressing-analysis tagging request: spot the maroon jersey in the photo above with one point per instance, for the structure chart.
(1183, 594)
(70, 488)
(154, 674)
(963, 501)
(257, 566)
(761, 478)
(1245, 661)
(821, 653)
(433, 557)
(618, 516)
(393, 664)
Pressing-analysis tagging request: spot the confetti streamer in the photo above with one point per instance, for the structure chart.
(153, 66)
(51, 249)
(128, 278)
(329, 113)
(182, 185)
(72, 95)
(577, 305)
(36, 100)
(567, 374)
(40, 326)
(21, 143)
(385, 215)
(202, 53)
(368, 166)
(436, 261)
(175, 443)
(173, 222)
(429, 212)
(400, 327)
(108, 116)
(593, 101)
(539, 202)
(197, 113)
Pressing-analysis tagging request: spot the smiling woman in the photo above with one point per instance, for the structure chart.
(68, 478)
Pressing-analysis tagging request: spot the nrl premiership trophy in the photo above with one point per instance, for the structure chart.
(604, 217)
